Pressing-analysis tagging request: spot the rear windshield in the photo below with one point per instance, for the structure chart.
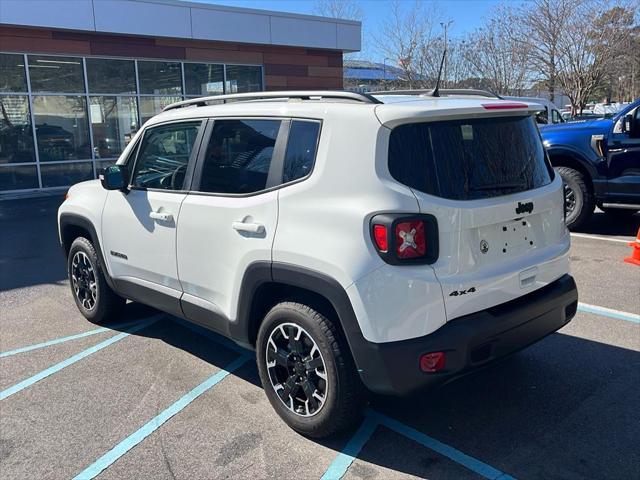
(471, 158)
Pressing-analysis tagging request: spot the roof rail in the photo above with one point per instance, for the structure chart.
(288, 95)
(443, 92)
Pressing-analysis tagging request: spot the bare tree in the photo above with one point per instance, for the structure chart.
(408, 39)
(492, 54)
(592, 41)
(540, 28)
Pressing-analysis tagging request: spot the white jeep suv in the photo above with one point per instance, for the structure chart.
(355, 242)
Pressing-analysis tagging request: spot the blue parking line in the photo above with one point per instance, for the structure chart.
(75, 358)
(57, 341)
(608, 312)
(338, 468)
(467, 461)
(156, 422)
(345, 458)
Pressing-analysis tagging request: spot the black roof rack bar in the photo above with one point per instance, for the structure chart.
(287, 95)
(443, 91)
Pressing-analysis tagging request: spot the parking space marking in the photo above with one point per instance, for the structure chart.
(57, 341)
(598, 237)
(345, 458)
(338, 468)
(608, 312)
(76, 358)
(156, 422)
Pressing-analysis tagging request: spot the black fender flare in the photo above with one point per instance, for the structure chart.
(576, 156)
(260, 273)
(75, 220)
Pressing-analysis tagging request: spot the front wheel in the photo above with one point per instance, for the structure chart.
(578, 198)
(93, 297)
(307, 371)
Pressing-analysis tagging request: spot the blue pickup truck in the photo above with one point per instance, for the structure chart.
(599, 161)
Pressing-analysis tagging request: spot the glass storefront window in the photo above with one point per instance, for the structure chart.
(160, 78)
(114, 122)
(111, 76)
(12, 77)
(243, 78)
(19, 177)
(56, 74)
(63, 174)
(62, 132)
(150, 106)
(16, 134)
(203, 79)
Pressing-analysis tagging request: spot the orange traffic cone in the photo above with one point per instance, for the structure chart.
(635, 253)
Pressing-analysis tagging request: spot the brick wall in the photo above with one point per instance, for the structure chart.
(284, 67)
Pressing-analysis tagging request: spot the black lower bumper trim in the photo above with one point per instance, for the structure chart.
(469, 342)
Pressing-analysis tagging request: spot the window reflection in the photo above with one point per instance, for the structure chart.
(12, 77)
(203, 79)
(111, 76)
(243, 78)
(114, 122)
(150, 106)
(160, 78)
(56, 74)
(64, 174)
(18, 177)
(16, 136)
(62, 131)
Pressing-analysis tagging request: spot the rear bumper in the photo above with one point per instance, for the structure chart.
(470, 341)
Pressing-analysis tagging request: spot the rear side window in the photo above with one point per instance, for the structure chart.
(238, 156)
(301, 150)
(163, 155)
(471, 158)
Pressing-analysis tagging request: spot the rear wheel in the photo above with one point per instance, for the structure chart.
(307, 371)
(93, 297)
(578, 197)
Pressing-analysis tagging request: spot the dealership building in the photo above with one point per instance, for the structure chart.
(79, 77)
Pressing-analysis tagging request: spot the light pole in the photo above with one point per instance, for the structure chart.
(445, 26)
(384, 69)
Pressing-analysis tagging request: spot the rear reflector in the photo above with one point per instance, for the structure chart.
(432, 362)
(381, 238)
(503, 106)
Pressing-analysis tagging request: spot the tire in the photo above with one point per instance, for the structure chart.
(93, 296)
(338, 401)
(579, 198)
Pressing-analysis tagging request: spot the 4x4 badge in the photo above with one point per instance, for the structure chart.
(524, 207)
(484, 246)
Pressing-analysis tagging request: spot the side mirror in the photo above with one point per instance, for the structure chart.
(114, 177)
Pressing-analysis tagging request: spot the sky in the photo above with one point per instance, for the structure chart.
(466, 14)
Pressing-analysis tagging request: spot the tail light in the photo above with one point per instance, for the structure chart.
(402, 239)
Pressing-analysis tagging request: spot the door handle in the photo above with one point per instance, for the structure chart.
(163, 216)
(248, 227)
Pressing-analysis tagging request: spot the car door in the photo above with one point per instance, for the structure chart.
(229, 218)
(623, 156)
(139, 225)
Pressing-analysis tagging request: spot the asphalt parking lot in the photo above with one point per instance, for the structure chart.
(153, 397)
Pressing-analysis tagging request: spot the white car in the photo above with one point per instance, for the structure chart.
(549, 116)
(355, 242)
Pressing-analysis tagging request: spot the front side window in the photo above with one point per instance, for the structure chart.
(238, 156)
(301, 150)
(471, 158)
(163, 156)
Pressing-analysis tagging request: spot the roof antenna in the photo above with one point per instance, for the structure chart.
(436, 91)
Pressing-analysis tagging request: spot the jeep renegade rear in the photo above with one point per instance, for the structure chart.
(356, 243)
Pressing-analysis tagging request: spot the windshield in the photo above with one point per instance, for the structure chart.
(471, 158)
